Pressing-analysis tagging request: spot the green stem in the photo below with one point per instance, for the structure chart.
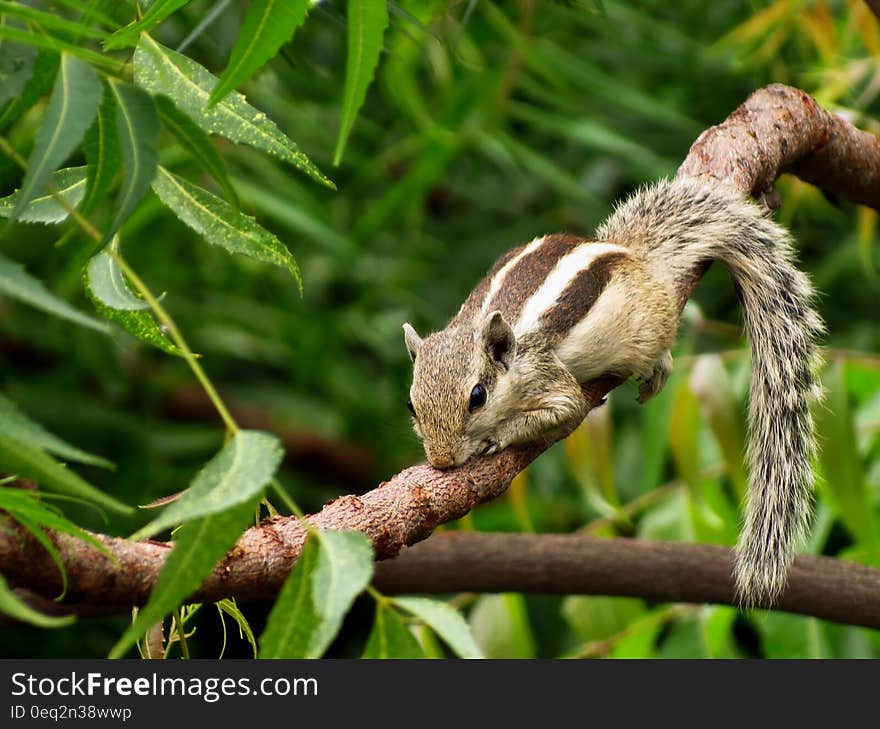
(378, 596)
(288, 501)
(181, 633)
(177, 338)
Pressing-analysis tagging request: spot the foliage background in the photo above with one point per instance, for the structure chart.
(487, 124)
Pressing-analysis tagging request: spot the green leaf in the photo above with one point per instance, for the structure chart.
(69, 182)
(71, 108)
(445, 620)
(367, 20)
(241, 469)
(841, 461)
(219, 224)
(16, 424)
(32, 513)
(32, 504)
(52, 43)
(199, 145)
(138, 126)
(158, 12)
(229, 607)
(44, 73)
(48, 21)
(594, 618)
(160, 70)
(792, 636)
(45, 542)
(334, 567)
(16, 283)
(12, 605)
(16, 69)
(294, 617)
(101, 147)
(105, 286)
(268, 25)
(500, 626)
(198, 546)
(344, 569)
(30, 462)
(390, 637)
(107, 283)
(712, 387)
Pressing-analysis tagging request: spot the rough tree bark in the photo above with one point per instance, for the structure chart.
(778, 129)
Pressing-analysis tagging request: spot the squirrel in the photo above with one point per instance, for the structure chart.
(562, 310)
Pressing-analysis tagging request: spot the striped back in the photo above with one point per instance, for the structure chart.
(545, 286)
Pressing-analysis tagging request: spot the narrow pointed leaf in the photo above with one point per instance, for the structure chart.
(57, 45)
(239, 471)
(158, 12)
(16, 424)
(198, 546)
(160, 70)
(138, 126)
(268, 25)
(294, 617)
(390, 637)
(367, 20)
(112, 299)
(198, 143)
(71, 108)
(14, 607)
(40, 536)
(16, 69)
(219, 224)
(30, 462)
(108, 284)
(333, 569)
(69, 182)
(16, 283)
(47, 20)
(32, 504)
(101, 146)
(344, 570)
(44, 72)
(444, 620)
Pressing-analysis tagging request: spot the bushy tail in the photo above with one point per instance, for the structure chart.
(676, 225)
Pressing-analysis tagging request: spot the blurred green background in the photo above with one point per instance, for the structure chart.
(487, 124)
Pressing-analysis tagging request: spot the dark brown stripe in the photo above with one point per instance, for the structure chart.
(579, 296)
(475, 300)
(529, 272)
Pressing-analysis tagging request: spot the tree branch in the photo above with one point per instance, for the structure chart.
(831, 589)
(778, 129)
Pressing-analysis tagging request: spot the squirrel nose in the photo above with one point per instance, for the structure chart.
(441, 460)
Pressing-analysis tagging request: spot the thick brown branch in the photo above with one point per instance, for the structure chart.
(778, 129)
(821, 587)
(830, 589)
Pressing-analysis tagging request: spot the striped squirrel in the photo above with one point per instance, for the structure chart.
(561, 310)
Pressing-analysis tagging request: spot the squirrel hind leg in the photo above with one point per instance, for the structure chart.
(656, 378)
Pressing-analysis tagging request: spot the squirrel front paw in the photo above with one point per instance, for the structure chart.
(656, 379)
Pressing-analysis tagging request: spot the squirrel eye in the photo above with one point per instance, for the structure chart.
(478, 398)
(412, 410)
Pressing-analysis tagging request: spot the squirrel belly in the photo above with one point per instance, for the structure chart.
(559, 311)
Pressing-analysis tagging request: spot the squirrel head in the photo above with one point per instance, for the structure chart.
(460, 388)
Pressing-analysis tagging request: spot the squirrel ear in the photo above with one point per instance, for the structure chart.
(413, 341)
(498, 339)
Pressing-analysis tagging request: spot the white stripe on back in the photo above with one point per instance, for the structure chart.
(498, 278)
(566, 269)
